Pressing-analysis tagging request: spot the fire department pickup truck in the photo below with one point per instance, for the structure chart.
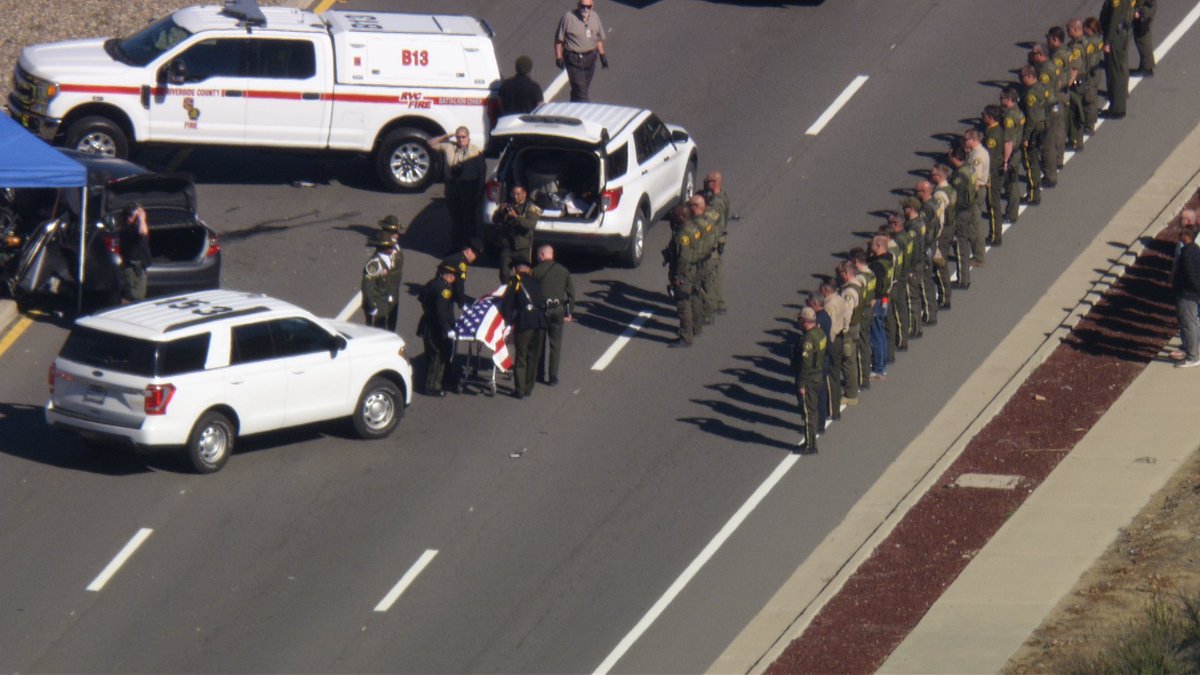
(239, 75)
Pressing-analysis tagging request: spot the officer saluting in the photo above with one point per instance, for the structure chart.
(381, 278)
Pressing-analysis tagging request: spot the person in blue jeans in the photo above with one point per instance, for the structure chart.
(1185, 281)
(883, 264)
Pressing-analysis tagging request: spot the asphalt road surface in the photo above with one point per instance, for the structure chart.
(535, 535)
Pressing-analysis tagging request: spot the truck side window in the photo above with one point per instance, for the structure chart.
(252, 342)
(283, 59)
(617, 162)
(295, 335)
(659, 136)
(213, 58)
(642, 142)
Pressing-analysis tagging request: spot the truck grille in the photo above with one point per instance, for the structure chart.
(23, 87)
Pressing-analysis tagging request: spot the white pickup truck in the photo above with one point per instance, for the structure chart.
(239, 75)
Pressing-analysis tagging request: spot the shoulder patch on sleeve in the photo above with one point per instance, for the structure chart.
(683, 239)
(446, 294)
(1008, 122)
(1031, 99)
(1045, 78)
(991, 143)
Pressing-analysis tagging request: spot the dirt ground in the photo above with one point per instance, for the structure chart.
(1158, 554)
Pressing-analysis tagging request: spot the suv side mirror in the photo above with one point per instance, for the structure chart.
(679, 136)
(336, 344)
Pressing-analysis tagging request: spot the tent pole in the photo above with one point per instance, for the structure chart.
(83, 209)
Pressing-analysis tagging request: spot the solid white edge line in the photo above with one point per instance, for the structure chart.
(348, 310)
(692, 569)
(116, 563)
(837, 104)
(1176, 34)
(386, 603)
(555, 85)
(616, 347)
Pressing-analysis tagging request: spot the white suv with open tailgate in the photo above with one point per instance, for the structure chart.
(600, 173)
(196, 371)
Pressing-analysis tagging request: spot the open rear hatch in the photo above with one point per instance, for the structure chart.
(557, 159)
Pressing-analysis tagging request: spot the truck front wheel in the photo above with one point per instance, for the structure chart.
(98, 136)
(405, 161)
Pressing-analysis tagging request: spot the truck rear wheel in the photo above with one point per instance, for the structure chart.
(98, 136)
(405, 161)
(636, 244)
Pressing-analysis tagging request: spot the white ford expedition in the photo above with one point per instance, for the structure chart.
(197, 371)
(378, 83)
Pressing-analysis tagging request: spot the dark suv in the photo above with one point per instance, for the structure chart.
(186, 253)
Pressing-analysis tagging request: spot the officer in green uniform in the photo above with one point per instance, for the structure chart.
(906, 251)
(1093, 59)
(516, 220)
(963, 182)
(1077, 61)
(993, 141)
(523, 307)
(1143, 16)
(435, 326)
(1048, 77)
(1013, 156)
(1035, 99)
(680, 256)
(716, 197)
(870, 297)
(808, 362)
(921, 296)
(1116, 21)
(944, 197)
(390, 226)
(705, 219)
(559, 292)
(1060, 56)
(381, 284)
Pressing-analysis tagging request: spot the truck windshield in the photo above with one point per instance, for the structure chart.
(143, 47)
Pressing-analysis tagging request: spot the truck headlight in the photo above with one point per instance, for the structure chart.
(43, 93)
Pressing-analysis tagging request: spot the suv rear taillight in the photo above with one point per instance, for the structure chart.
(610, 199)
(158, 397)
(494, 191)
(214, 246)
(112, 244)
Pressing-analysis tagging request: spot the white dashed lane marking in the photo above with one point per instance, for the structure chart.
(116, 563)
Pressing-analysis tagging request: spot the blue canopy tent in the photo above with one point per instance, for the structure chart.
(28, 162)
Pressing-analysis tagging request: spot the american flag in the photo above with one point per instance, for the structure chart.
(482, 321)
